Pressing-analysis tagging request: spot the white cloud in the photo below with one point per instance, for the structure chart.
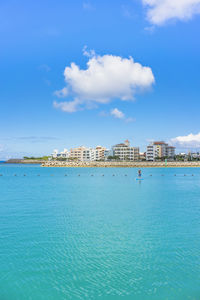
(70, 106)
(161, 11)
(117, 113)
(106, 78)
(187, 141)
(61, 93)
(88, 53)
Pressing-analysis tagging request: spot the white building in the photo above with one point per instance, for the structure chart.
(159, 150)
(194, 155)
(125, 152)
(108, 153)
(55, 153)
(170, 152)
(88, 154)
(63, 154)
(100, 153)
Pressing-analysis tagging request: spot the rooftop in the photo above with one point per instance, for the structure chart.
(159, 143)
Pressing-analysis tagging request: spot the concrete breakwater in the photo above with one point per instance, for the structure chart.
(24, 161)
(96, 164)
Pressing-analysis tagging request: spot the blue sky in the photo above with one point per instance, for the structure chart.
(39, 39)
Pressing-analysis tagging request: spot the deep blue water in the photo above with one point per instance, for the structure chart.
(99, 237)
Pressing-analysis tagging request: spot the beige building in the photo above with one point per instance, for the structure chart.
(80, 153)
(158, 150)
(87, 154)
(100, 152)
(125, 152)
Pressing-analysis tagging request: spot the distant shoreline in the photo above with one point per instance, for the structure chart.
(24, 161)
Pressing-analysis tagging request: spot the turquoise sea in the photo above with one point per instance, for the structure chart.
(99, 237)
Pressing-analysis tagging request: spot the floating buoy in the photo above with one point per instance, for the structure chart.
(113, 174)
(78, 174)
(1, 175)
(184, 175)
(174, 174)
(150, 175)
(92, 175)
(24, 174)
(125, 175)
(102, 174)
(15, 174)
(192, 175)
(65, 174)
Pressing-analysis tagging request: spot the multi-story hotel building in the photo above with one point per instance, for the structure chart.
(170, 151)
(159, 150)
(63, 154)
(125, 152)
(81, 153)
(87, 154)
(100, 153)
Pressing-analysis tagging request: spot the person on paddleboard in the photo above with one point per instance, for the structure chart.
(139, 173)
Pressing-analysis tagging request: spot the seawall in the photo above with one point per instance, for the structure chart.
(120, 164)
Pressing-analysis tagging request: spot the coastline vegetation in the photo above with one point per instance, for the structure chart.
(36, 158)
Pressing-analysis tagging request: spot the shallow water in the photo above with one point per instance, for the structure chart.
(99, 237)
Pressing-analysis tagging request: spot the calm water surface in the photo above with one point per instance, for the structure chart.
(99, 237)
